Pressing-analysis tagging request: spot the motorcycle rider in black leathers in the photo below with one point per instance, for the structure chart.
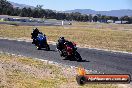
(60, 44)
(35, 34)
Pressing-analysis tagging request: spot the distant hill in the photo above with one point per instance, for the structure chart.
(21, 5)
(117, 13)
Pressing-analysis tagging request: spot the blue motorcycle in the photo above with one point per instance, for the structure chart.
(41, 42)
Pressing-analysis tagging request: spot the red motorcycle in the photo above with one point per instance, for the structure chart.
(70, 51)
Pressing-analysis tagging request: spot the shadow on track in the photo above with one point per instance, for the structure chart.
(75, 60)
(49, 50)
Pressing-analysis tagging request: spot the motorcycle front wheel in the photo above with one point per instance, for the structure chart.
(77, 56)
(38, 47)
(47, 47)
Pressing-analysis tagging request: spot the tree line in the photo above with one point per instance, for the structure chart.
(7, 8)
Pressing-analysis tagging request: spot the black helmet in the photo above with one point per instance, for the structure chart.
(35, 29)
(62, 38)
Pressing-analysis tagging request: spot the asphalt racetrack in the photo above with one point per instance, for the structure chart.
(97, 61)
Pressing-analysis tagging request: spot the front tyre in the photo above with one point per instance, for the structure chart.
(38, 47)
(78, 57)
(47, 48)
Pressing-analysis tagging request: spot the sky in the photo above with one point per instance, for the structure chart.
(62, 5)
